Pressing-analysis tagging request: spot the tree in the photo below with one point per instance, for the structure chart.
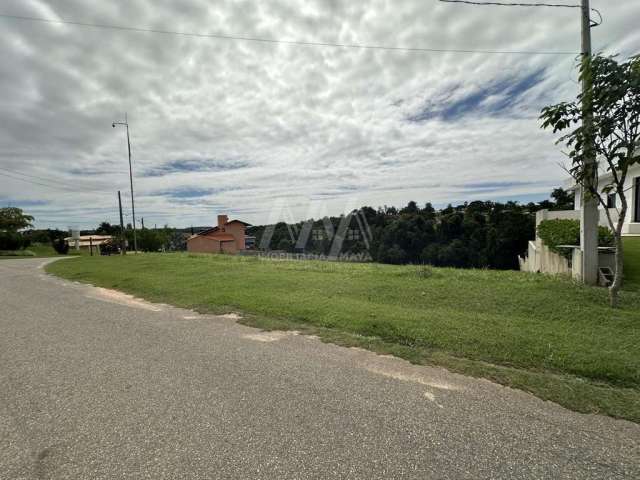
(105, 228)
(615, 99)
(564, 199)
(13, 219)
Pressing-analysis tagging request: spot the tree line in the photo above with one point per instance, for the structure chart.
(478, 234)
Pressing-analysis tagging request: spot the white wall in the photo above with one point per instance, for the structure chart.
(540, 259)
(572, 215)
(629, 226)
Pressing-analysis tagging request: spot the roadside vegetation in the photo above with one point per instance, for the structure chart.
(549, 336)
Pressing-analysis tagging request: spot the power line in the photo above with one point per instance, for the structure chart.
(46, 179)
(505, 4)
(58, 187)
(32, 182)
(514, 4)
(277, 41)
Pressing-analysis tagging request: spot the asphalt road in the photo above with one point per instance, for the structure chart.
(94, 384)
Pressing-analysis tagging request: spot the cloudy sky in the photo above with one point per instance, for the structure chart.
(252, 128)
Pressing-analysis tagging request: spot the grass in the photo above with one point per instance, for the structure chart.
(632, 262)
(549, 336)
(34, 251)
(38, 250)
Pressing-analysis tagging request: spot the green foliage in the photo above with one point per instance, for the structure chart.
(546, 335)
(603, 124)
(60, 246)
(44, 236)
(471, 235)
(615, 132)
(564, 199)
(13, 219)
(11, 240)
(149, 239)
(557, 232)
(105, 228)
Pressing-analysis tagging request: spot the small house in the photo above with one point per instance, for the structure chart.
(227, 237)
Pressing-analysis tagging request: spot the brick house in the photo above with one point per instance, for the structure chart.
(228, 237)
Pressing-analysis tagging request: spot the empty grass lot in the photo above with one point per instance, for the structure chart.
(548, 336)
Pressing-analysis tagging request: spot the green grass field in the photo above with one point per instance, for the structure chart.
(38, 250)
(632, 262)
(545, 335)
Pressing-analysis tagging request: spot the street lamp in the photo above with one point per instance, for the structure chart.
(133, 207)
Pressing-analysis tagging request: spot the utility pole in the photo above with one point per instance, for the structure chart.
(133, 205)
(142, 221)
(589, 216)
(122, 241)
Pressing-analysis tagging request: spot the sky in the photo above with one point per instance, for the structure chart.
(266, 131)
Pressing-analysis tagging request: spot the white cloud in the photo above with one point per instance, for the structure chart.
(305, 124)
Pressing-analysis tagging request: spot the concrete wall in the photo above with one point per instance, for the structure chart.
(573, 215)
(541, 259)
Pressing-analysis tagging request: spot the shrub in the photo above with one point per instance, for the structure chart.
(60, 246)
(11, 241)
(567, 232)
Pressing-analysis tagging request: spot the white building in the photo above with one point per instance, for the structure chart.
(632, 191)
(541, 259)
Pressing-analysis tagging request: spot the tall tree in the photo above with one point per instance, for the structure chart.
(616, 125)
(13, 219)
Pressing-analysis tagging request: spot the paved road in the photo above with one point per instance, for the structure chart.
(94, 384)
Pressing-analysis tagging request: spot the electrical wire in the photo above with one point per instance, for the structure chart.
(514, 4)
(510, 4)
(58, 187)
(49, 180)
(278, 41)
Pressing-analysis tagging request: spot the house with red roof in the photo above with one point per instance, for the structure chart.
(227, 237)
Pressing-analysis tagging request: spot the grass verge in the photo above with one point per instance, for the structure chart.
(39, 250)
(632, 262)
(553, 338)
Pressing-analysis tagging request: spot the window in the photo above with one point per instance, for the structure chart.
(318, 235)
(611, 200)
(353, 234)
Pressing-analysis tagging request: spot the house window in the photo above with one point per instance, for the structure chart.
(318, 235)
(611, 200)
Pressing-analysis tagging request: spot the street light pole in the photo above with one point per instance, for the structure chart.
(133, 205)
